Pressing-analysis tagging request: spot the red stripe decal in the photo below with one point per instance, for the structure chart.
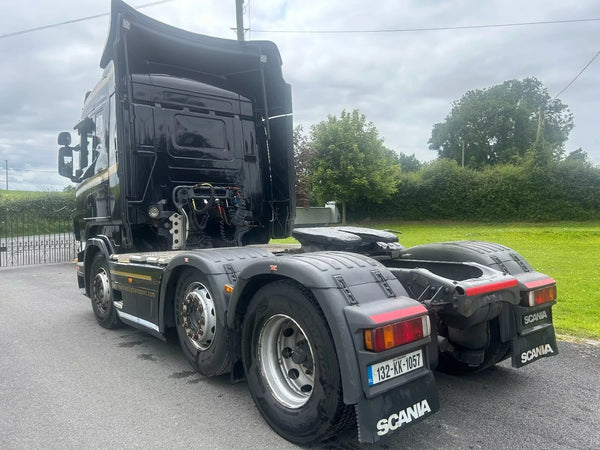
(398, 314)
(491, 287)
(538, 283)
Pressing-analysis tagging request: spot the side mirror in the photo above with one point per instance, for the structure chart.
(65, 160)
(64, 139)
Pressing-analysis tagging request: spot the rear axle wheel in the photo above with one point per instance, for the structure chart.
(291, 364)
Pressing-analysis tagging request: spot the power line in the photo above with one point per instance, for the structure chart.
(12, 169)
(577, 76)
(31, 30)
(411, 30)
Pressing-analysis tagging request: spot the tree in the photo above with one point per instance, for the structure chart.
(579, 156)
(409, 163)
(351, 163)
(501, 124)
(303, 153)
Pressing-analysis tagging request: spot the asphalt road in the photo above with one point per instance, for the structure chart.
(65, 382)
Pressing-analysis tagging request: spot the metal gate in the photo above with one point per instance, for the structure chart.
(36, 240)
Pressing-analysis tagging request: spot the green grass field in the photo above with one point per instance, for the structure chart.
(568, 252)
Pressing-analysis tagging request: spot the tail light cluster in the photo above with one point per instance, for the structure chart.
(541, 291)
(396, 334)
(540, 296)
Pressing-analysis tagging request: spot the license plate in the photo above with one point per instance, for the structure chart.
(395, 367)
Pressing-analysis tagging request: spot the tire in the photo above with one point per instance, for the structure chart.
(291, 365)
(200, 323)
(100, 293)
(495, 352)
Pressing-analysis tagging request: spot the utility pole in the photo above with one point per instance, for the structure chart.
(6, 167)
(538, 135)
(239, 19)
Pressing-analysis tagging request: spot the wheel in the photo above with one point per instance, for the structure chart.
(495, 352)
(200, 320)
(291, 364)
(100, 293)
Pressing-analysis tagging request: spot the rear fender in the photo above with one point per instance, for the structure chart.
(529, 329)
(340, 282)
(495, 256)
(405, 398)
(533, 336)
(93, 245)
(220, 267)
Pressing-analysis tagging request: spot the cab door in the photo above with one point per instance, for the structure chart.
(93, 173)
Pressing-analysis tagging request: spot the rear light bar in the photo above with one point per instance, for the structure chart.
(540, 296)
(397, 334)
(487, 288)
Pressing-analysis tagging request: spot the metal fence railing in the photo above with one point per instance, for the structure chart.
(28, 240)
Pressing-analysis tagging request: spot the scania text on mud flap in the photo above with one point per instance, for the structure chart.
(184, 171)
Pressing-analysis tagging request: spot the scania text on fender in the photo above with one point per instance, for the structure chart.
(536, 352)
(535, 317)
(404, 416)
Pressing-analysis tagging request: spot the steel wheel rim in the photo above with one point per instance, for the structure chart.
(101, 291)
(286, 360)
(199, 320)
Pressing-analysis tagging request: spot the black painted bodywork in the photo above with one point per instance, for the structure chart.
(191, 125)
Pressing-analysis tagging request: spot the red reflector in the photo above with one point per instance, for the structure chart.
(411, 330)
(398, 314)
(539, 283)
(477, 290)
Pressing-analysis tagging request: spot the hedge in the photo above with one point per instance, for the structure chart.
(34, 212)
(441, 190)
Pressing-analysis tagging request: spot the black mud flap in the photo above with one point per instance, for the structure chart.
(535, 335)
(378, 417)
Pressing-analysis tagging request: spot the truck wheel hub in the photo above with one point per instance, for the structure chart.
(198, 317)
(286, 361)
(101, 291)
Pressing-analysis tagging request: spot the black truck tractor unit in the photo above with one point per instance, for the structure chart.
(184, 172)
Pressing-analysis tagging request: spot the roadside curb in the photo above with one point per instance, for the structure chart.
(577, 340)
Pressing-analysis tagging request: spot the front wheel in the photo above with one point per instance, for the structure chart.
(291, 365)
(200, 319)
(100, 293)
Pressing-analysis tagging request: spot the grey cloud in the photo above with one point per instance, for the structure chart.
(403, 82)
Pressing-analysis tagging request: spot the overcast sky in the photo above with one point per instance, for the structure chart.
(404, 82)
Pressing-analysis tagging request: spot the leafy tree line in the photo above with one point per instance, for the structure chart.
(501, 156)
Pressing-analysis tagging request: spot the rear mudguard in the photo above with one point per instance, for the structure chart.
(355, 292)
(492, 255)
(93, 245)
(528, 329)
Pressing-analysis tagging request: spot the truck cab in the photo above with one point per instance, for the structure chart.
(176, 152)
